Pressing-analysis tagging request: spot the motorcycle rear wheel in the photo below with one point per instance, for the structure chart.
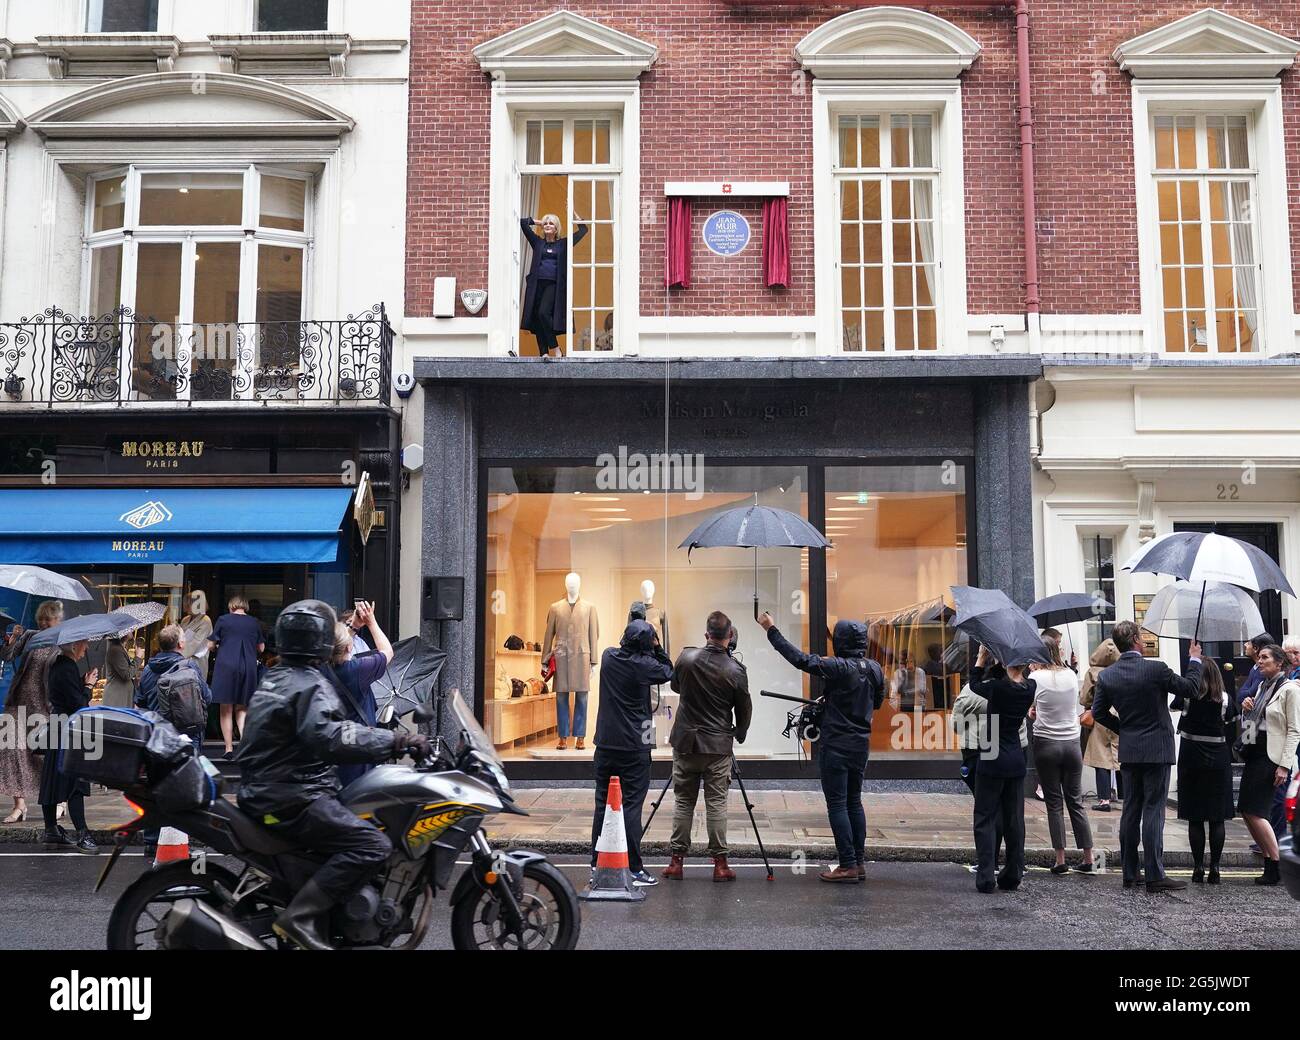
(140, 909)
(552, 916)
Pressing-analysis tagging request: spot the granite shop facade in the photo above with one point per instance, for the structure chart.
(564, 488)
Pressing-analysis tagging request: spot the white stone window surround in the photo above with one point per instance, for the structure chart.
(1261, 100)
(249, 236)
(505, 243)
(942, 101)
(333, 22)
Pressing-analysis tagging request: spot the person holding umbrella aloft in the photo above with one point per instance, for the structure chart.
(1138, 689)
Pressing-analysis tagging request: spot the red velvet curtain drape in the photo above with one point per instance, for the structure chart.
(776, 243)
(679, 243)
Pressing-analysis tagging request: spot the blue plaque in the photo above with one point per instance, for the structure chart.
(726, 232)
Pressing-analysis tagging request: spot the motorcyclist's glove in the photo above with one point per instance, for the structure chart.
(404, 742)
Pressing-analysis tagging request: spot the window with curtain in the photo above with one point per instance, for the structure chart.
(1209, 252)
(887, 186)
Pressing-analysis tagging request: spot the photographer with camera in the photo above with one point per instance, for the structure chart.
(714, 689)
(853, 686)
(625, 733)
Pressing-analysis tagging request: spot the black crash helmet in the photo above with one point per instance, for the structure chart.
(306, 629)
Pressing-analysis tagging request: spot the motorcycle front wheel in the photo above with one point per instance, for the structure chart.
(551, 915)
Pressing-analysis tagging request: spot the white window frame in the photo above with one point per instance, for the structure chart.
(942, 101)
(1261, 100)
(506, 243)
(165, 19)
(249, 235)
(333, 19)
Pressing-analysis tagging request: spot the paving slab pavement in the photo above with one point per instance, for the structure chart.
(901, 826)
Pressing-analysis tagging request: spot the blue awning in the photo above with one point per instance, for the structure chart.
(54, 526)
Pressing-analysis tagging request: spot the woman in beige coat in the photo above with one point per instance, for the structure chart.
(1102, 752)
(119, 670)
(20, 770)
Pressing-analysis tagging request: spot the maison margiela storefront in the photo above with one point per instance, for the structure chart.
(916, 469)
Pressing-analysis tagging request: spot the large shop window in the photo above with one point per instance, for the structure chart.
(899, 537)
(887, 186)
(122, 16)
(545, 523)
(1209, 255)
(569, 168)
(213, 265)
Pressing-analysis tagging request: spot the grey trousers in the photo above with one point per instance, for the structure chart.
(1060, 768)
(688, 771)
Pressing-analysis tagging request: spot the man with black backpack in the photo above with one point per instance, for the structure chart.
(173, 685)
(853, 686)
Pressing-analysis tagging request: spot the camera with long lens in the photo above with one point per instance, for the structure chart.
(807, 721)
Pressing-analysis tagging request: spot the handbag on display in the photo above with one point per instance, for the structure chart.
(548, 669)
(514, 643)
(518, 688)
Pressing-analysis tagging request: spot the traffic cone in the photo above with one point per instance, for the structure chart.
(612, 880)
(173, 845)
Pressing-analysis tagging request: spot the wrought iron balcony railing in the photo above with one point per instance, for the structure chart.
(56, 359)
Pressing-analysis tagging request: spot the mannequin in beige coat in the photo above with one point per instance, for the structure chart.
(1102, 752)
(119, 671)
(573, 633)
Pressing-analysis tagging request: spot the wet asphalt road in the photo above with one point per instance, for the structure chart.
(46, 902)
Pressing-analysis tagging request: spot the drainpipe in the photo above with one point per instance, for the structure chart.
(1028, 191)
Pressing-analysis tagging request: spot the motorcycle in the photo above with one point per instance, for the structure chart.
(432, 810)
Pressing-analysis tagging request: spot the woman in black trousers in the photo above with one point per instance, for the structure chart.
(69, 692)
(1205, 768)
(546, 296)
(1000, 779)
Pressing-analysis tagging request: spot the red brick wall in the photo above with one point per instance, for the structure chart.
(723, 101)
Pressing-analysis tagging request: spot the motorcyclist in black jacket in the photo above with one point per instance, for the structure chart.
(296, 730)
(853, 686)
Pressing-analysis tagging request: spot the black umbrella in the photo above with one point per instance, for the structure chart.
(411, 676)
(5, 619)
(990, 618)
(88, 627)
(754, 527)
(1065, 607)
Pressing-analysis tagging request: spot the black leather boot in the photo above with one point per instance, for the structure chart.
(301, 918)
(1272, 873)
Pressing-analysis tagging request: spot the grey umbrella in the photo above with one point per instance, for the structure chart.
(147, 613)
(754, 527)
(1065, 607)
(88, 627)
(990, 618)
(1227, 615)
(37, 581)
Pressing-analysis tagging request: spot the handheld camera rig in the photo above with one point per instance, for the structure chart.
(806, 722)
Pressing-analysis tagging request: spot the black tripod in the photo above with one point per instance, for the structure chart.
(749, 808)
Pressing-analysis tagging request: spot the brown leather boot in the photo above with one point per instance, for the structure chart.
(862, 871)
(674, 869)
(842, 874)
(722, 872)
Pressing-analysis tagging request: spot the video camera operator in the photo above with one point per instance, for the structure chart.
(625, 733)
(297, 729)
(853, 687)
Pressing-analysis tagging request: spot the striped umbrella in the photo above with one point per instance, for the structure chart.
(1198, 556)
(147, 613)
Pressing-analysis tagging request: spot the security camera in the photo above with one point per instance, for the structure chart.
(404, 384)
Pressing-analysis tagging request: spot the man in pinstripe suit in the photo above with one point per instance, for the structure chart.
(1138, 689)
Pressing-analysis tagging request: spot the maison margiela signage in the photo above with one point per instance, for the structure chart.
(162, 454)
(762, 411)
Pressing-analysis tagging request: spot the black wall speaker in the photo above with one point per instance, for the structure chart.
(442, 599)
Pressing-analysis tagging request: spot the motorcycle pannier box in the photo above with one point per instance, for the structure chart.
(106, 745)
